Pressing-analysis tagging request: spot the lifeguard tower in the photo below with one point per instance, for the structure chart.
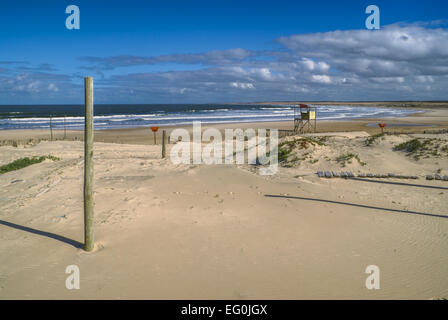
(304, 118)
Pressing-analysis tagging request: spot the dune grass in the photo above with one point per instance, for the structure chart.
(348, 158)
(410, 146)
(370, 140)
(286, 148)
(423, 148)
(24, 162)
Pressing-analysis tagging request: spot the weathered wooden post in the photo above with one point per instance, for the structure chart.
(65, 130)
(163, 144)
(88, 165)
(51, 128)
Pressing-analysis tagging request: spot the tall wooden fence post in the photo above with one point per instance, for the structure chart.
(88, 165)
(163, 144)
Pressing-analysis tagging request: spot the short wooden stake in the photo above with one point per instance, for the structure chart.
(163, 144)
(51, 129)
(65, 130)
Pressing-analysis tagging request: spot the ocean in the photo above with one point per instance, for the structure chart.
(115, 116)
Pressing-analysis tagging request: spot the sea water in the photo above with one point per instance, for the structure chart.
(116, 116)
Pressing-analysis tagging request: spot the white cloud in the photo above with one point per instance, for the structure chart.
(321, 78)
(310, 65)
(242, 85)
(388, 79)
(395, 50)
(424, 79)
(53, 87)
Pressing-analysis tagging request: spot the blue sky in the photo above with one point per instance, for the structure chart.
(222, 51)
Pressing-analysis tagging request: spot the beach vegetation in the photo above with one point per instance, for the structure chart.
(283, 153)
(304, 142)
(422, 148)
(371, 140)
(286, 148)
(410, 146)
(345, 159)
(24, 162)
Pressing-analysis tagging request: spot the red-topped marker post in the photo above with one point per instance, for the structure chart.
(154, 129)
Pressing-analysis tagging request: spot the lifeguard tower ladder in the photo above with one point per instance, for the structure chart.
(304, 119)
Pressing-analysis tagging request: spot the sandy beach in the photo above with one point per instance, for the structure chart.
(224, 159)
(166, 231)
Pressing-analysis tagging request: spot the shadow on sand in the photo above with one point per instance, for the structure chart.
(357, 205)
(74, 243)
(400, 183)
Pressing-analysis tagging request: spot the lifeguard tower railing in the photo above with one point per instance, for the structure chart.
(304, 118)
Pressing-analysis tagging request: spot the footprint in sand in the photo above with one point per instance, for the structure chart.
(129, 199)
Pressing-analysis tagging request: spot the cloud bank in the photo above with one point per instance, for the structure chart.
(398, 62)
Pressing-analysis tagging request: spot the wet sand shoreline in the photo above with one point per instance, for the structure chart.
(436, 119)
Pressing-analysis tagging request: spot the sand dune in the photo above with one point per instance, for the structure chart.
(167, 231)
